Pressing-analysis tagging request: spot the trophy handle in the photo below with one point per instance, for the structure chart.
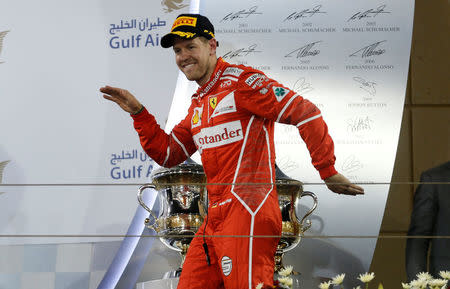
(153, 225)
(304, 220)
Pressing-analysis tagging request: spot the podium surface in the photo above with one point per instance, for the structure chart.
(170, 283)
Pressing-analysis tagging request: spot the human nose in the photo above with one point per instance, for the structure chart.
(183, 55)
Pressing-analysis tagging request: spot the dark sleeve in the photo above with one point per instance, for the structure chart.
(422, 220)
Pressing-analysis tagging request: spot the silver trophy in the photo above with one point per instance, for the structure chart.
(290, 191)
(183, 202)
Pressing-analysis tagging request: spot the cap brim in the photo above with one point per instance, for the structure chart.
(168, 39)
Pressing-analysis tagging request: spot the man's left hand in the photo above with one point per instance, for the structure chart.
(341, 185)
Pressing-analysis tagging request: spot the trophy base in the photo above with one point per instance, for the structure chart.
(172, 274)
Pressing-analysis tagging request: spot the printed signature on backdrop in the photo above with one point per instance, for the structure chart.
(2, 169)
(2, 36)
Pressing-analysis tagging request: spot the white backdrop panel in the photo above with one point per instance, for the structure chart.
(350, 59)
(55, 126)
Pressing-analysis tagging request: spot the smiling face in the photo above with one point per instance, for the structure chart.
(196, 58)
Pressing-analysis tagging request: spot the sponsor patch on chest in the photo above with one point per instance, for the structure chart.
(219, 135)
(226, 82)
(226, 105)
(213, 102)
(196, 119)
(234, 71)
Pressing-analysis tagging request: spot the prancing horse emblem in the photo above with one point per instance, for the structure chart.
(213, 102)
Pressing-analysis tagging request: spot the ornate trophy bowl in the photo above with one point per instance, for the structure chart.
(290, 191)
(182, 198)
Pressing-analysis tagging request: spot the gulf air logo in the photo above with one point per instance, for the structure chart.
(197, 117)
(219, 135)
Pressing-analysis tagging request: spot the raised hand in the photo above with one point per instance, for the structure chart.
(122, 97)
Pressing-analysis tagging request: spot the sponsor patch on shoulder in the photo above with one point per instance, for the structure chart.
(280, 92)
(233, 71)
(263, 90)
(259, 82)
(252, 78)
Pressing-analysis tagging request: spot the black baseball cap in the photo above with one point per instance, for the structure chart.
(188, 26)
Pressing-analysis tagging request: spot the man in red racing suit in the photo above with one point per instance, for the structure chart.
(231, 123)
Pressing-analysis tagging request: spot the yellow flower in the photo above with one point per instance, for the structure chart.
(437, 283)
(418, 283)
(406, 285)
(338, 279)
(286, 271)
(325, 285)
(424, 276)
(259, 286)
(366, 277)
(357, 287)
(287, 281)
(445, 274)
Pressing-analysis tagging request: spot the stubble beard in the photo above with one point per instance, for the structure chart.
(195, 75)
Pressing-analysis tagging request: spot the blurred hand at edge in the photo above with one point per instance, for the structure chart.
(341, 185)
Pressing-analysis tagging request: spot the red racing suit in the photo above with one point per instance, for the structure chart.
(231, 123)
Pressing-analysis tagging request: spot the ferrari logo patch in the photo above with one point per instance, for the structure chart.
(213, 102)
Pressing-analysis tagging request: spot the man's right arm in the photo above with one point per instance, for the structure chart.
(166, 150)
